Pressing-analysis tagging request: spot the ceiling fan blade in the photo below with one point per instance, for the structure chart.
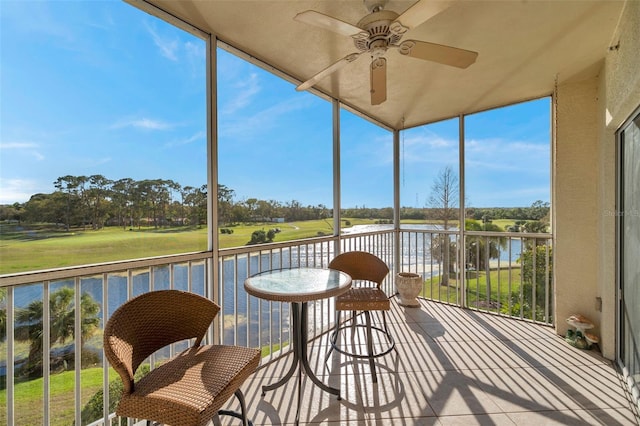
(442, 54)
(330, 69)
(321, 20)
(422, 11)
(378, 81)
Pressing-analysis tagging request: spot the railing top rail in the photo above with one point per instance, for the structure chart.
(230, 251)
(109, 267)
(100, 268)
(450, 231)
(510, 234)
(504, 234)
(368, 233)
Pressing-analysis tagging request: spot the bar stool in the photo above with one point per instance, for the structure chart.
(365, 269)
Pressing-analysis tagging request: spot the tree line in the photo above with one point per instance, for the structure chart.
(96, 201)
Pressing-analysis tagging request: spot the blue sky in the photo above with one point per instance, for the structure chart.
(99, 87)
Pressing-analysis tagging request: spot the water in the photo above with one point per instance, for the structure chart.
(241, 313)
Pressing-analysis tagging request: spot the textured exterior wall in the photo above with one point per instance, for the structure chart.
(621, 84)
(622, 68)
(588, 114)
(607, 228)
(575, 207)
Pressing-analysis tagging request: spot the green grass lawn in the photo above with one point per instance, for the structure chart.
(36, 248)
(476, 287)
(28, 397)
(503, 223)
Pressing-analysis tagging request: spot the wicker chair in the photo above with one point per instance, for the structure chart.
(190, 388)
(366, 269)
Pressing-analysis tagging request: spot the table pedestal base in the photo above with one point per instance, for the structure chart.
(300, 357)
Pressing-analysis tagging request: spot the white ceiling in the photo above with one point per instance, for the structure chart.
(524, 46)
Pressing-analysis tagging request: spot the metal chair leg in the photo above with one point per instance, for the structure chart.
(333, 338)
(216, 420)
(386, 329)
(372, 365)
(369, 328)
(243, 410)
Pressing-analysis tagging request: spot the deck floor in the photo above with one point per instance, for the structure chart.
(451, 366)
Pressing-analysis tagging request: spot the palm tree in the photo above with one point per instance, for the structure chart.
(3, 314)
(62, 324)
(481, 250)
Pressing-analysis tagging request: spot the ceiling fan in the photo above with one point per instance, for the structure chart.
(381, 30)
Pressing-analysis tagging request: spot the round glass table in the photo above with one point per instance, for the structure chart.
(298, 286)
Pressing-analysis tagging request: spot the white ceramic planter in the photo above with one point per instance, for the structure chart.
(409, 286)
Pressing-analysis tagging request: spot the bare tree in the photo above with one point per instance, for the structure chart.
(444, 208)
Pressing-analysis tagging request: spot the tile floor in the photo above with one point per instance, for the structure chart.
(451, 367)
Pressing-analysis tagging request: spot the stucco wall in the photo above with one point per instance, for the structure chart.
(619, 98)
(606, 228)
(588, 114)
(575, 207)
(622, 68)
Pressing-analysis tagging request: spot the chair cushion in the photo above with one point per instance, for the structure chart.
(363, 299)
(191, 387)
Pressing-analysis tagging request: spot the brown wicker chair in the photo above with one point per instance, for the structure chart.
(366, 269)
(190, 388)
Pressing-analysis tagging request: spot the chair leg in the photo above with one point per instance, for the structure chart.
(353, 325)
(372, 364)
(386, 329)
(243, 410)
(333, 337)
(216, 420)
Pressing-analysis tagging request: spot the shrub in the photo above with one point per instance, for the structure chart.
(525, 301)
(92, 410)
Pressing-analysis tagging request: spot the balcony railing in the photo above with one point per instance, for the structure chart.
(504, 273)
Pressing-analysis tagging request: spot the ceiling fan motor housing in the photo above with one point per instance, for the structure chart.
(382, 29)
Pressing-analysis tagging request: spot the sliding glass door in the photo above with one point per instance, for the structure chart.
(628, 215)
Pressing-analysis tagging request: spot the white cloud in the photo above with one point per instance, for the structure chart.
(168, 48)
(26, 147)
(263, 121)
(430, 141)
(147, 123)
(38, 18)
(505, 155)
(245, 91)
(90, 163)
(493, 146)
(186, 141)
(17, 190)
(195, 49)
(17, 145)
(142, 123)
(428, 148)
